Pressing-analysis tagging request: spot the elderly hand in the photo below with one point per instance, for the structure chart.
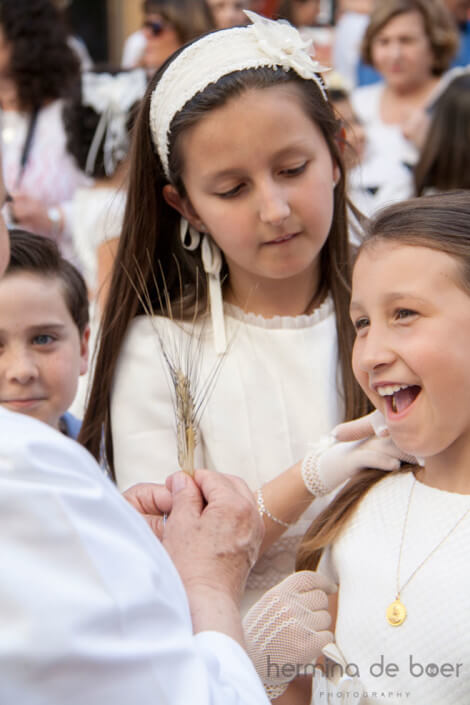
(213, 535)
(288, 628)
(153, 501)
(214, 531)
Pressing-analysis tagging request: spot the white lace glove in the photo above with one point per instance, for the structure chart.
(287, 628)
(350, 447)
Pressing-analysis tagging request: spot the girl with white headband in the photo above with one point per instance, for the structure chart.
(236, 139)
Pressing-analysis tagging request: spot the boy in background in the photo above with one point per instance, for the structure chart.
(44, 332)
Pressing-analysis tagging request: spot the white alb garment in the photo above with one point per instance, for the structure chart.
(387, 150)
(92, 609)
(364, 560)
(276, 391)
(51, 175)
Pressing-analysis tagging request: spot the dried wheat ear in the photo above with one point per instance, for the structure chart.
(183, 361)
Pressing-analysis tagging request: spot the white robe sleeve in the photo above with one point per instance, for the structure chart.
(91, 607)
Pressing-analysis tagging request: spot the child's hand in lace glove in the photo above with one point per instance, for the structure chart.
(352, 446)
(287, 628)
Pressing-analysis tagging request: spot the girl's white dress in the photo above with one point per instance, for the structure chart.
(275, 391)
(429, 654)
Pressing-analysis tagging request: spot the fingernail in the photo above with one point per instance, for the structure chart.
(382, 431)
(179, 483)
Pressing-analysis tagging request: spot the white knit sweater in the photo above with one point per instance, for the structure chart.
(364, 562)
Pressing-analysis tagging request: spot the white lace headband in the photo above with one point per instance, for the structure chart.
(263, 43)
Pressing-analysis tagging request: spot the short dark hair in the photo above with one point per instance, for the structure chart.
(41, 256)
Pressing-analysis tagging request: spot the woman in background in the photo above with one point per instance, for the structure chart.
(411, 43)
(168, 24)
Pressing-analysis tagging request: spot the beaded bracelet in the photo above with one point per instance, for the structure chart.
(262, 510)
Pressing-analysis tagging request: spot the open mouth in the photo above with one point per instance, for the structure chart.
(399, 397)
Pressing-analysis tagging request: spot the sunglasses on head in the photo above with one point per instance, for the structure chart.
(155, 28)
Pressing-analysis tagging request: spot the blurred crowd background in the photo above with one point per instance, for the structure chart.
(72, 73)
(105, 24)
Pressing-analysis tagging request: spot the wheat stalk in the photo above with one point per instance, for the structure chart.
(183, 363)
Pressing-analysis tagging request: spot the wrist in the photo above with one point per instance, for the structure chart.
(215, 609)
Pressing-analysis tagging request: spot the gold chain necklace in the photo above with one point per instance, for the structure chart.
(396, 611)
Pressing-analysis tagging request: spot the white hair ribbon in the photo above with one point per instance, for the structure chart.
(212, 263)
(194, 236)
(112, 97)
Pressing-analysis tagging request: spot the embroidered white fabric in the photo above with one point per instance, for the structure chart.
(287, 628)
(263, 43)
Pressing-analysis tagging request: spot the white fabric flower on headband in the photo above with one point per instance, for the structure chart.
(112, 97)
(282, 43)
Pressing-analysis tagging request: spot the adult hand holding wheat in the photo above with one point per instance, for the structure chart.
(213, 535)
(153, 501)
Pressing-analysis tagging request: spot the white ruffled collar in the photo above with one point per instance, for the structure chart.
(282, 322)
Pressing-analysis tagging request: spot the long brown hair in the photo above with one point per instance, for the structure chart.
(439, 222)
(150, 245)
(444, 163)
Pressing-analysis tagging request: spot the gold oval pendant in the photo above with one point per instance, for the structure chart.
(396, 613)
